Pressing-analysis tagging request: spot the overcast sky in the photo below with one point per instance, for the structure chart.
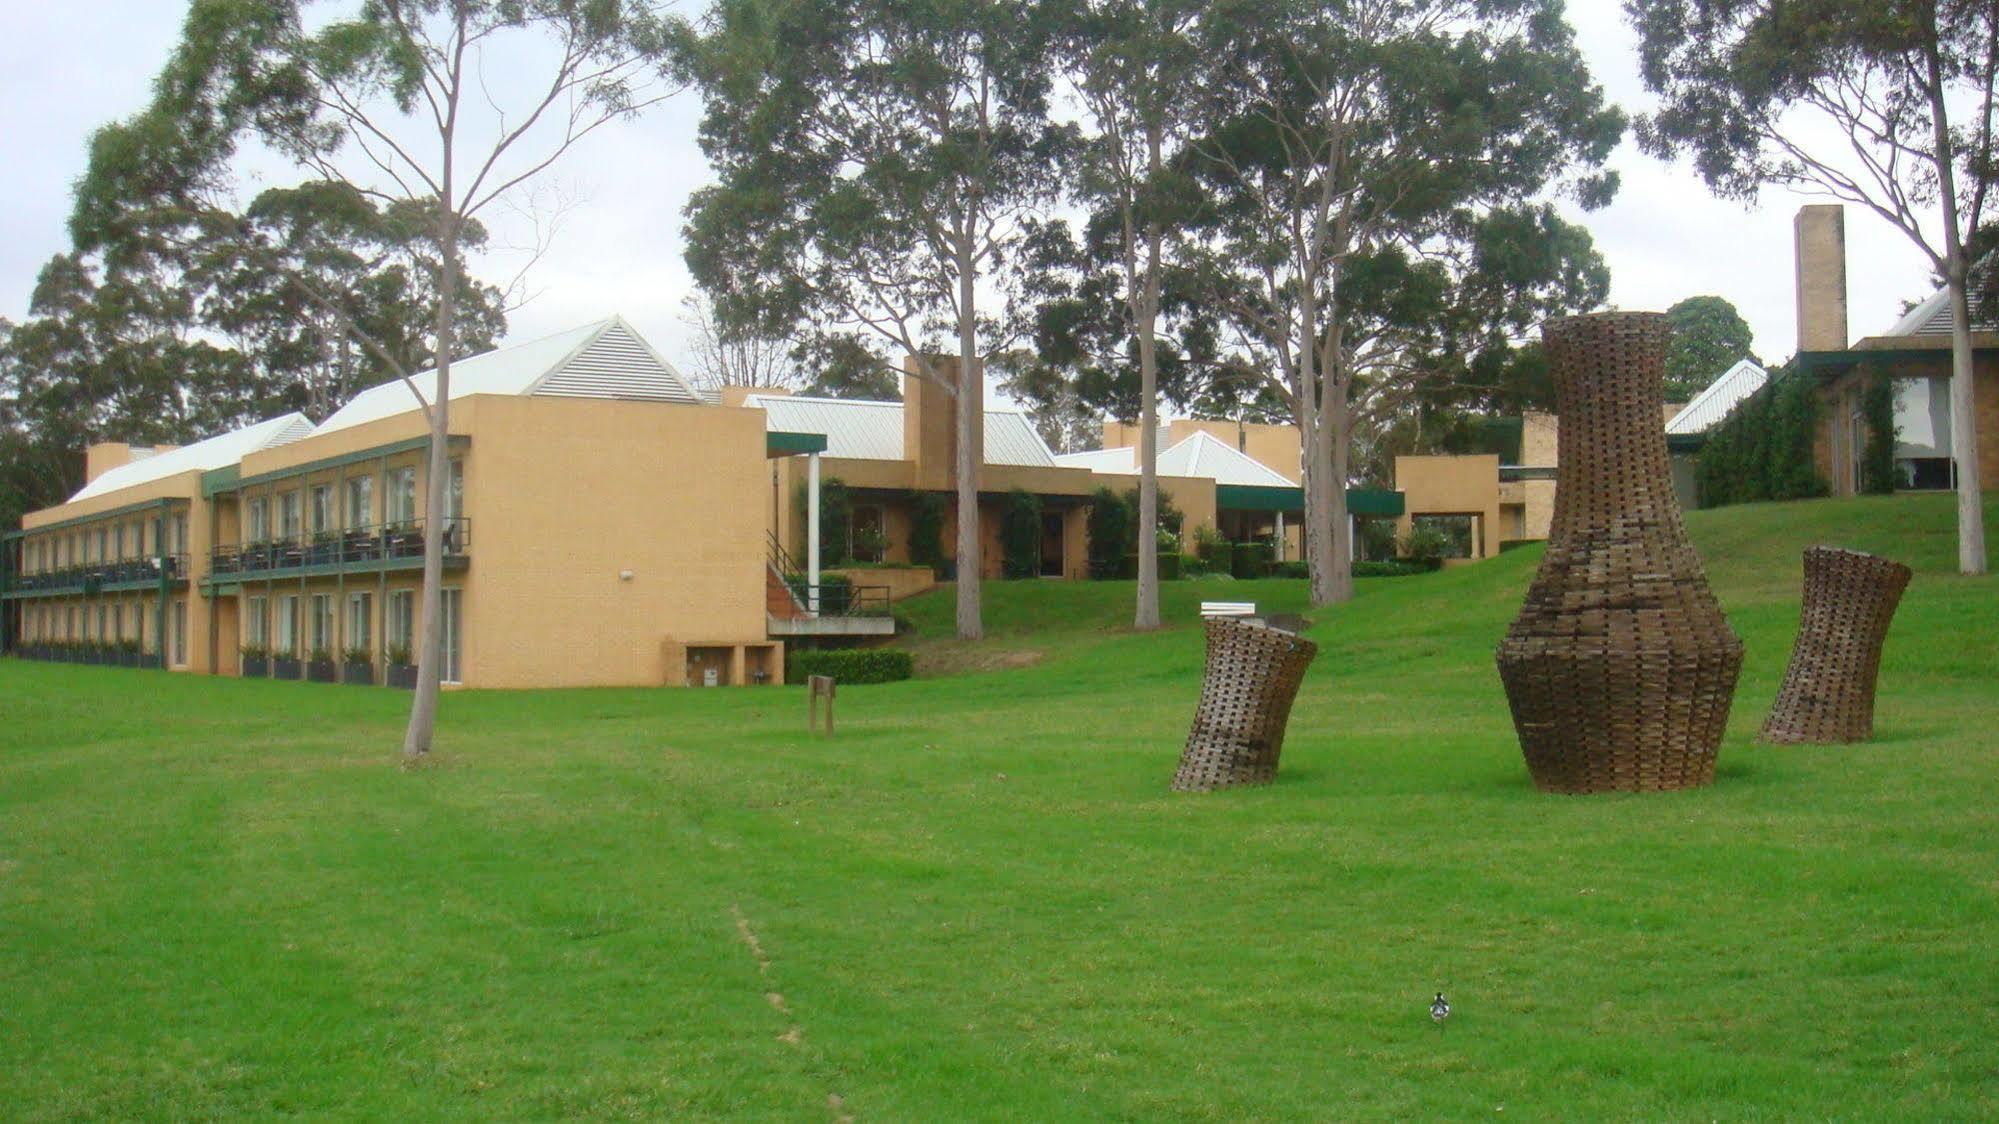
(66, 68)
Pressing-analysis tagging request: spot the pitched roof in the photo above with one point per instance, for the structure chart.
(606, 359)
(872, 431)
(215, 452)
(1200, 454)
(1719, 400)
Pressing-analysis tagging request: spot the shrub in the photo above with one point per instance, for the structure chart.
(319, 655)
(1877, 409)
(1424, 544)
(357, 655)
(1020, 535)
(851, 665)
(255, 651)
(926, 529)
(1395, 569)
(836, 521)
(1300, 570)
(1215, 552)
(1110, 526)
(1192, 566)
(1253, 559)
(836, 591)
(397, 654)
(1169, 566)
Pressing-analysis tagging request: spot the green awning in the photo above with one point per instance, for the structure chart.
(779, 443)
(1258, 497)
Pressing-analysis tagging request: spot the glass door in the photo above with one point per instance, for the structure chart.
(450, 639)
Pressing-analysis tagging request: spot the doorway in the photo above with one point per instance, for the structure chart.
(1051, 544)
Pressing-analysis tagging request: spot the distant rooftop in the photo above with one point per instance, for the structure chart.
(606, 359)
(1200, 455)
(1719, 400)
(872, 431)
(215, 452)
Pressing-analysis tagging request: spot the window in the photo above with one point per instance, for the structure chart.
(287, 645)
(402, 495)
(103, 543)
(400, 628)
(360, 621)
(1925, 474)
(449, 637)
(257, 622)
(260, 520)
(180, 533)
(322, 623)
(360, 501)
(180, 634)
(454, 492)
(322, 508)
(867, 535)
(288, 524)
(118, 621)
(103, 624)
(118, 541)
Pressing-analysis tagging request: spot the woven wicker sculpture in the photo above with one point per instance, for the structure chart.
(1828, 692)
(1252, 679)
(1620, 667)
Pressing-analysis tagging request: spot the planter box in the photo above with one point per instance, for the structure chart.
(319, 671)
(256, 667)
(402, 675)
(128, 659)
(287, 669)
(149, 661)
(357, 674)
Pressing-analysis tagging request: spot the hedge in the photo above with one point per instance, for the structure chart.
(851, 665)
(1763, 449)
(1253, 560)
(1020, 535)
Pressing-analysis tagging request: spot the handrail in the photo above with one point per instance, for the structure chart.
(402, 538)
(171, 567)
(838, 598)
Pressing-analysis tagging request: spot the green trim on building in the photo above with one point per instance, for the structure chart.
(224, 479)
(1385, 503)
(458, 441)
(99, 517)
(1260, 497)
(1685, 442)
(211, 584)
(780, 443)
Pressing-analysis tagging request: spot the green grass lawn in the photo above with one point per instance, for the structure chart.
(979, 902)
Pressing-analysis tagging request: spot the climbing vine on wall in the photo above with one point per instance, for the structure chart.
(1877, 410)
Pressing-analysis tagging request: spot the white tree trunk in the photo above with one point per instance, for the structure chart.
(971, 419)
(423, 708)
(1146, 616)
(1964, 432)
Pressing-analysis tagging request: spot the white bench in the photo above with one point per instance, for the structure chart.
(1227, 609)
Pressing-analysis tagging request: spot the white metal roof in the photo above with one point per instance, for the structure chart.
(1200, 454)
(607, 359)
(1720, 399)
(202, 456)
(872, 431)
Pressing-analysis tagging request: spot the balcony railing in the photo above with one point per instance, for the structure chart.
(94, 575)
(382, 542)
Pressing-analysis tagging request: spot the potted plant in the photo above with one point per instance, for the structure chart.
(400, 672)
(319, 667)
(256, 661)
(128, 653)
(357, 667)
(286, 665)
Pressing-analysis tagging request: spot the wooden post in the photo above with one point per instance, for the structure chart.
(820, 685)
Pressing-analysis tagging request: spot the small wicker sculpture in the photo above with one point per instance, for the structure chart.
(1828, 692)
(1620, 667)
(1252, 679)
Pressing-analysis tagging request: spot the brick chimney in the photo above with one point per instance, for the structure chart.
(104, 456)
(929, 423)
(1821, 250)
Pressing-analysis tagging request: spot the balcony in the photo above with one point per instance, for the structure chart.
(93, 578)
(794, 607)
(373, 549)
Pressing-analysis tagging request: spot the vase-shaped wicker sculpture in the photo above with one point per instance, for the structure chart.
(1252, 679)
(1828, 692)
(1620, 667)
